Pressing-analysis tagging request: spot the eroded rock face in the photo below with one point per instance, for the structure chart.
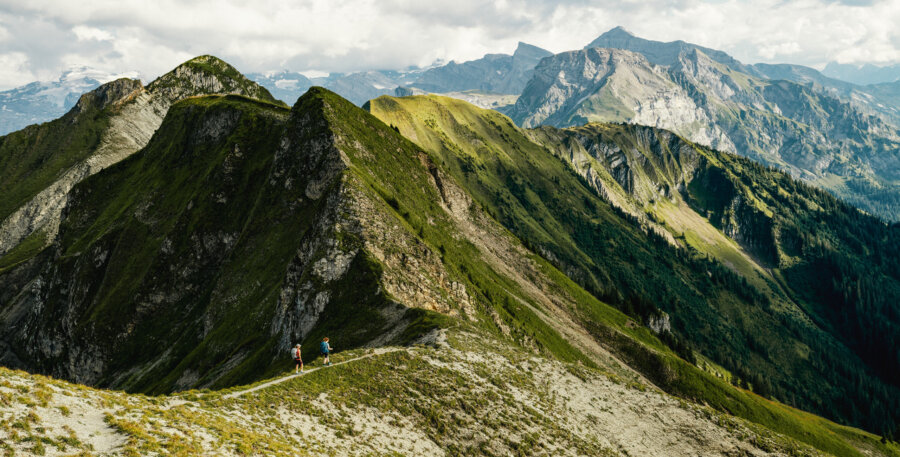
(660, 323)
(351, 225)
(206, 75)
(113, 92)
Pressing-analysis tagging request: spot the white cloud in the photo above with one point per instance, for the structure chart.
(14, 68)
(91, 33)
(348, 35)
(772, 51)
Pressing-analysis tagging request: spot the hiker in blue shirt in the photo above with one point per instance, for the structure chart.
(326, 349)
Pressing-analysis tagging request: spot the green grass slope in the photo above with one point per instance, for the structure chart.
(752, 327)
(181, 252)
(34, 157)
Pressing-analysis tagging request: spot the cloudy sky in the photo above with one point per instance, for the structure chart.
(40, 38)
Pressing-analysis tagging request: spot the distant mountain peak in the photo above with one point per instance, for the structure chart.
(529, 50)
(617, 32)
(663, 53)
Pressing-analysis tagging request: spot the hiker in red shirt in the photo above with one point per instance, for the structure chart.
(295, 352)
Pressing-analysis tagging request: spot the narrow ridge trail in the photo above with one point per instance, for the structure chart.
(239, 393)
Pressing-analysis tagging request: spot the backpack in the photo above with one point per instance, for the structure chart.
(324, 347)
(295, 353)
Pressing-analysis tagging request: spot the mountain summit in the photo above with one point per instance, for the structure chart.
(661, 53)
(616, 33)
(207, 75)
(529, 51)
(710, 98)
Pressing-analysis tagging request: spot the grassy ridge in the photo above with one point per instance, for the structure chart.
(541, 201)
(181, 183)
(392, 168)
(36, 156)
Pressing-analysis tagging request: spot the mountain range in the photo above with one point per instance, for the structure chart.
(44, 101)
(489, 78)
(862, 74)
(185, 234)
(644, 248)
(477, 80)
(837, 135)
(711, 98)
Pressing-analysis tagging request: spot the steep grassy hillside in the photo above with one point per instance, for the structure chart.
(40, 164)
(827, 259)
(661, 192)
(34, 157)
(242, 228)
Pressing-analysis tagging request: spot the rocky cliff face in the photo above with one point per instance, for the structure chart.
(206, 75)
(867, 98)
(659, 53)
(121, 116)
(720, 103)
(603, 85)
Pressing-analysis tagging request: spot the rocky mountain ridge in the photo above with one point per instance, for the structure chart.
(814, 136)
(864, 97)
(494, 75)
(111, 123)
(497, 73)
